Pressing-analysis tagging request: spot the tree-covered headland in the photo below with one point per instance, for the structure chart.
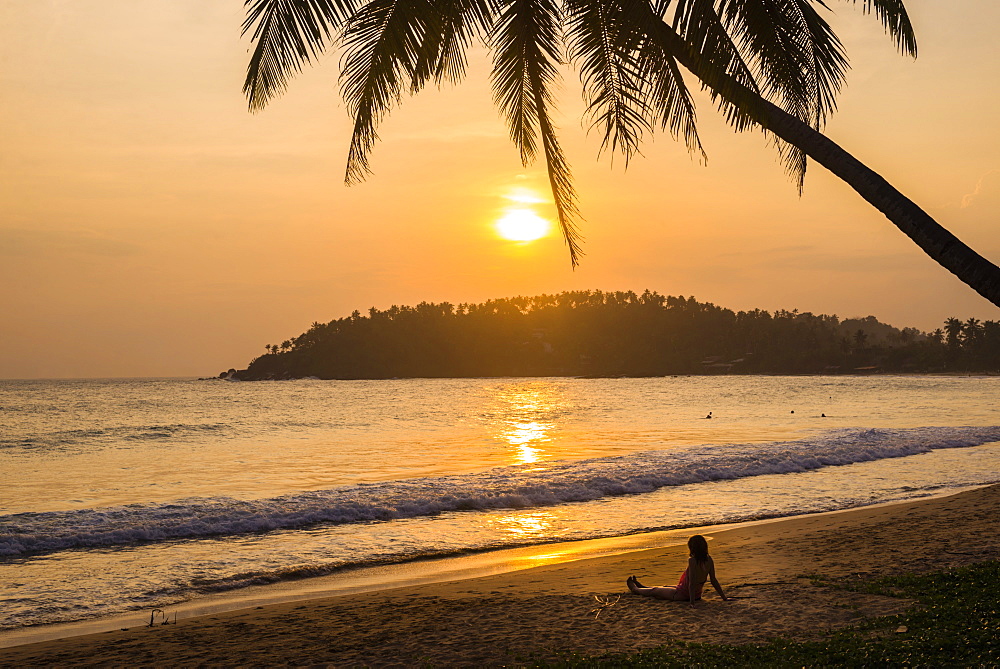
(595, 333)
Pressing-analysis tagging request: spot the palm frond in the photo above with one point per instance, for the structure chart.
(525, 40)
(673, 103)
(561, 183)
(456, 23)
(666, 96)
(828, 61)
(771, 35)
(286, 34)
(768, 34)
(720, 69)
(607, 53)
(526, 52)
(896, 22)
(383, 42)
(826, 67)
(698, 24)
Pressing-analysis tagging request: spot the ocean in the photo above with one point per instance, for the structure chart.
(126, 495)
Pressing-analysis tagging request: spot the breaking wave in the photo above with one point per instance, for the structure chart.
(519, 487)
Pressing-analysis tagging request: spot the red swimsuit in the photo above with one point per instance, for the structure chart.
(682, 587)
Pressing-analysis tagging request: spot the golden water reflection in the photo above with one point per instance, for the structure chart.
(524, 433)
(524, 525)
(527, 454)
(522, 416)
(543, 559)
(526, 437)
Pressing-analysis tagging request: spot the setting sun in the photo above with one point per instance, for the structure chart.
(522, 225)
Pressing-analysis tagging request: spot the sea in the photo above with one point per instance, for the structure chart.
(132, 495)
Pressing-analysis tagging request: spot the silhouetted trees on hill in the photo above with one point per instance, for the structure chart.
(595, 333)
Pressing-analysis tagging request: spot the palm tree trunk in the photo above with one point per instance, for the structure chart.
(945, 248)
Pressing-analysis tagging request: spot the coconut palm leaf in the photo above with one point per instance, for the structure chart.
(826, 67)
(286, 34)
(771, 35)
(896, 22)
(384, 40)
(698, 24)
(827, 59)
(526, 52)
(667, 100)
(455, 25)
(607, 53)
(786, 47)
(705, 37)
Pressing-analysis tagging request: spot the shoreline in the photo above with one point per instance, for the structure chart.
(845, 374)
(550, 608)
(423, 571)
(194, 377)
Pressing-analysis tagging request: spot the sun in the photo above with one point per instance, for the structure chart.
(522, 225)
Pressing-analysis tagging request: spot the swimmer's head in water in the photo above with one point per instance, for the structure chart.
(698, 546)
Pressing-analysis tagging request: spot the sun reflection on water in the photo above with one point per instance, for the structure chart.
(527, 454)
(522, 417)
(525, 433)
(524, 525)
(522, 435)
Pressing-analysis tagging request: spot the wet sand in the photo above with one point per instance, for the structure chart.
(578, 607)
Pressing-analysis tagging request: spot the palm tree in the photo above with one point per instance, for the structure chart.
(775, 65)
(953, 328)
(972, 332)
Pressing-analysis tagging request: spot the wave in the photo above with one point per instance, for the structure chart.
(518, 487)
(268, 576)
(110, 435)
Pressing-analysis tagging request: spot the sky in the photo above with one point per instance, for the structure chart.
(150, 225)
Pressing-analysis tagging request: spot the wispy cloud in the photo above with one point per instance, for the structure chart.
(969, 198)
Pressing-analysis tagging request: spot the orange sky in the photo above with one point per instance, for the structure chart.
(151, 226)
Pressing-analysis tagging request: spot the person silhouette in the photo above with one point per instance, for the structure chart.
(700, 568)
(709, 415)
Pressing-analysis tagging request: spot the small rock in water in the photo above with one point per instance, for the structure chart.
(901, 629)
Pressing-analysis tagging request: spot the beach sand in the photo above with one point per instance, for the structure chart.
(542, 612)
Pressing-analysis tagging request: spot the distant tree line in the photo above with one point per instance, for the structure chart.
(595, 333)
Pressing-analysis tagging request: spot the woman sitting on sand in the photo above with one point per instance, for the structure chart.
(700, 568)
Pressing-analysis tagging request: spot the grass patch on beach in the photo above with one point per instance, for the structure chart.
(956, 624)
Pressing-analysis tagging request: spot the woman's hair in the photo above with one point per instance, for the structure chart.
(698, 547)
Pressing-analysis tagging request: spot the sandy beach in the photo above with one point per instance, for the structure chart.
(543, 612)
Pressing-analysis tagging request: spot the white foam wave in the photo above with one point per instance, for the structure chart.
(507, 487)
